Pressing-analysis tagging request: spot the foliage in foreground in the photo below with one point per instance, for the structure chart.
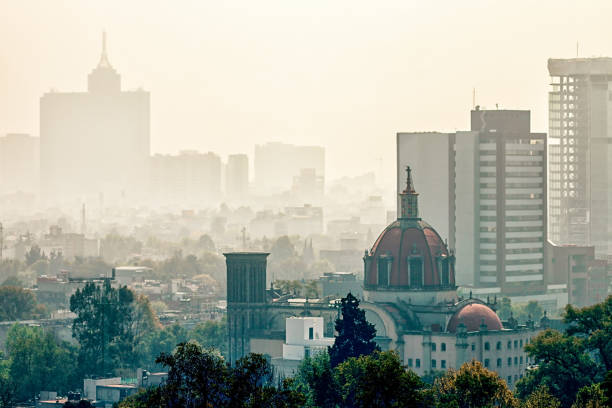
(201, 378)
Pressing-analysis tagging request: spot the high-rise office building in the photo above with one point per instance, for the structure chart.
(580, 157)
(94, 142)
(276, 164)
(19, 163)
(486, 189)
(237, 176)
(189, 178)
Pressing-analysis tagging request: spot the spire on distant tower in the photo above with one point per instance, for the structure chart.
(104, 63)
(409, 198)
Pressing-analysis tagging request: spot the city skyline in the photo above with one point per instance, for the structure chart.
(365, 63)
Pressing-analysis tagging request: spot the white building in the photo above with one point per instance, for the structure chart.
(303, 338)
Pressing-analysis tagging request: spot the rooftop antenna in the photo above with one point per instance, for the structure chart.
(473, 97)
(577, 48)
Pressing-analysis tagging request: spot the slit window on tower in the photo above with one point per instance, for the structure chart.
(416, 272)
(445, 271)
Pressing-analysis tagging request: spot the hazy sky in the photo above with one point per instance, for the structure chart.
(225, 75)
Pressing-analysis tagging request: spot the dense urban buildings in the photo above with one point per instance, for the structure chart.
(237, 176)
(410, 295)
(96, 142)
(19, 163)
(292, 159)
(488, 193)
(580, 207)
(188, 178)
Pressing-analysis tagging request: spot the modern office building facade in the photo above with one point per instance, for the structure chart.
(489, 197)
(188, 178)
(580, 157)
(237, 176)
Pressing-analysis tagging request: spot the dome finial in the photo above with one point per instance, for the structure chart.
(409, 184)
(409, 198)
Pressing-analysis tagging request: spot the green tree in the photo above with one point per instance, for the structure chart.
(7, 392)
(13, 281)
(504, 308)
(250, 382)
(315, 378)
(205, 243)
(355, 333)
(211, 333)
(541, 398)
(563, 366)
(38, 362)
(590, 396)
(162, 341)
(80, 404)
(196, 378)
(149, 398)
(378, 380)
(594, 323)
(34, 254)
(282, 249)
(111, 325)
(606, 386)
(16, 303)
(533, 309)
(472, 386)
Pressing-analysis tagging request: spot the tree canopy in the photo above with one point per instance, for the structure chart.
(564, 366)
(17, 304)
(355, 334)
(594, 325)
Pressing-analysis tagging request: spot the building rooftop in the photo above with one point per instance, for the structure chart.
(580, 66)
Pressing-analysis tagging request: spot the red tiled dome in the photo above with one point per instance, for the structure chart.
(410, 238)
(472, 316)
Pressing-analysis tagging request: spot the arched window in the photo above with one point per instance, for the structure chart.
(445, 273)
(433, 346)
(498, 346)
(442, 346)
(415, 270)
(499, 362)
(487, 346)
(385, 263)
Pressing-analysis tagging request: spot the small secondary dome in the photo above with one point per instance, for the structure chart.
(473, 315)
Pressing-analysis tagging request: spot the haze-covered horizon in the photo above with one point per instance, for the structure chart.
(225, 76)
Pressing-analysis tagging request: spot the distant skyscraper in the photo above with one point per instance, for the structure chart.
(237, 176)
(189, 178)
(19, 163)
(276, 164)
(96, 141)
(580, 153)
(486, 189)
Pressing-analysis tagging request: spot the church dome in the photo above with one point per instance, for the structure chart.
(409, 254)
(473, 315)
